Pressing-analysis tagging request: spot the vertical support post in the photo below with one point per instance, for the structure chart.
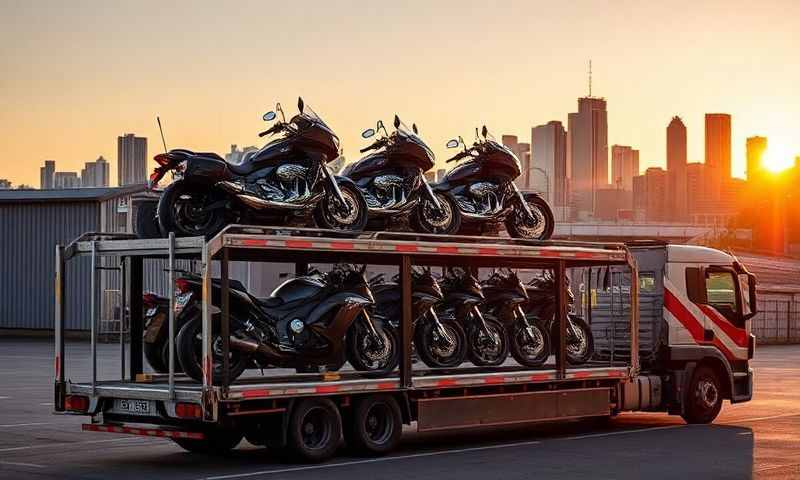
(93, 314)
(171, 337)
(206, 333)
(226, 317)
(405, 322)
(614, 314)
(123, 310)
(588, 289)
(634, 268)
(561, 318)
(58, 402)
(300, 269)
(135, 285)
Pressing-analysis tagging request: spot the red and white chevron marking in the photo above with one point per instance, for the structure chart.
(146, 432)
(680, 312)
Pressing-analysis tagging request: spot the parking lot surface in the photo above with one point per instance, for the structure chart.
(759, 439)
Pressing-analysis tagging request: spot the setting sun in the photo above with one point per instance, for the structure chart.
(777, 158)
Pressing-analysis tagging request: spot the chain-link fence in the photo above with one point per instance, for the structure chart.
(778, 317)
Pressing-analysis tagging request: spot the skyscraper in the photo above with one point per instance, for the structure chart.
(658, 203)
(66, 180)
(95, 174)
(549, 153)
(696, 198)
(46, 174)
(587, 131)
(756, 146)
(131, 159)
(624, 166)
(676, 168)
(718, 152)
(519, 149)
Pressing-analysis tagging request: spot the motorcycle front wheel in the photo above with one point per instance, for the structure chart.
(541, 227)
(580, 348)
(368, 354)
(488, 349)
(183, 209)
(529, 349)
(426, 218)
(437, 352)
(333, 216)
(190, 354)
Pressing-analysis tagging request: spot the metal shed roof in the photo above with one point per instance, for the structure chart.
(69, 194)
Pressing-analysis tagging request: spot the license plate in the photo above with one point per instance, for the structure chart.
(134, 407)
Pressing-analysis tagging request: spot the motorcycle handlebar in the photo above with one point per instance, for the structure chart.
(272, 129)
(459, 156)
(378, 143)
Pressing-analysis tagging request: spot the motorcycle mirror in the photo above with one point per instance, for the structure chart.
(368, 133)
(414, 127)
(380, 126)
(278, 108)
(300, 104)
(452, 143)
(485, 131)
(269, 116)
(396, 121)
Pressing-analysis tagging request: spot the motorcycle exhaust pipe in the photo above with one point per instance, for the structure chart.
(252, 347)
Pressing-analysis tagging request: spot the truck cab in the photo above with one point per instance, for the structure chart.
(695, 308)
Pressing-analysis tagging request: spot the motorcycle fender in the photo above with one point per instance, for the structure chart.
(345, 181)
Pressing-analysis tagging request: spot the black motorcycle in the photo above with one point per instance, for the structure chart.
(486, 338)
(393, 184)
(303, 323)
(484, 191)
(439, 343)
(542, 308)
(286, 179)
(505, 295)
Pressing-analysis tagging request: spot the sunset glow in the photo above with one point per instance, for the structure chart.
(777, 158)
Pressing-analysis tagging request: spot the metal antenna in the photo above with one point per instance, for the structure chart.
(158, 119)
(590, 77)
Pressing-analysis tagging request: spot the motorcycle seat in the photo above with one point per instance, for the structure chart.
(244, 168)
(270, 302)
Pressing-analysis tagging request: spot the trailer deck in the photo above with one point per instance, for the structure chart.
(433, 397)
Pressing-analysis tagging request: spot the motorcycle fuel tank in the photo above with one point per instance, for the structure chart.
(298, 288)
(367, 166)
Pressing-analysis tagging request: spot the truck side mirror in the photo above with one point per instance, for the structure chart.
(747, 287)
(696, 285)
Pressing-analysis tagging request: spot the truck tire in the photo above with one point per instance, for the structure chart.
(703, 397)
(376, 425)
(315, 430)
(216, 442)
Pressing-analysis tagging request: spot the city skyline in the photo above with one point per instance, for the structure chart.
(119, 80)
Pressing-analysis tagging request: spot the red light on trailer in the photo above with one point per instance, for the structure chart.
(182, 285)
(76, 403)
(188, 410)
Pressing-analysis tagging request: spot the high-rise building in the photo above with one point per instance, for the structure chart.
(695, 188)
(676, 168)
(5, 184)
(440, 174)
(236, 155)
(549, 155)
(587, 132)
(95, 174)
(756, 146)
(131, 159)
(624, 166)
(519, 149)
(46, 174)
(657, 206)
(66, 180)
(718, 152)
(639, 184)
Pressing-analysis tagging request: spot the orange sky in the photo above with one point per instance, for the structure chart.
(77, 75)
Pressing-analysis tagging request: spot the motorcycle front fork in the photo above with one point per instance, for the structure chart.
(524, 203)
(336, 190)
(523, 319)
(433, 197)
(443, 334)
(372, 330)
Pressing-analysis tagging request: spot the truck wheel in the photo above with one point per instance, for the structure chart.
(315, 430)
(215, 442)
(376, 425)
(704, 396)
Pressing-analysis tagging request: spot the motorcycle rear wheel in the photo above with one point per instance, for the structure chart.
(517, 223)
(327, 214)
(181, 210)
(189, 352)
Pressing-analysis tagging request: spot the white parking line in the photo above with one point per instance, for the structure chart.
(20, 464)
(4, 398)
(10, 425)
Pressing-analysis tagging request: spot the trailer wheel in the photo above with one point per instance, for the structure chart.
(376, 425)
(215, 442)
(704, 396)
(315, 429)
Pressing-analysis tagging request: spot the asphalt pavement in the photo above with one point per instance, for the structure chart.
(758, 439)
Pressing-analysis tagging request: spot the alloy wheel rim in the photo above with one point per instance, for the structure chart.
(315, 428)
(523, 226)
(707, 393)
(378, 428)
(532, 349)
(345, 215)
(439, 219)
